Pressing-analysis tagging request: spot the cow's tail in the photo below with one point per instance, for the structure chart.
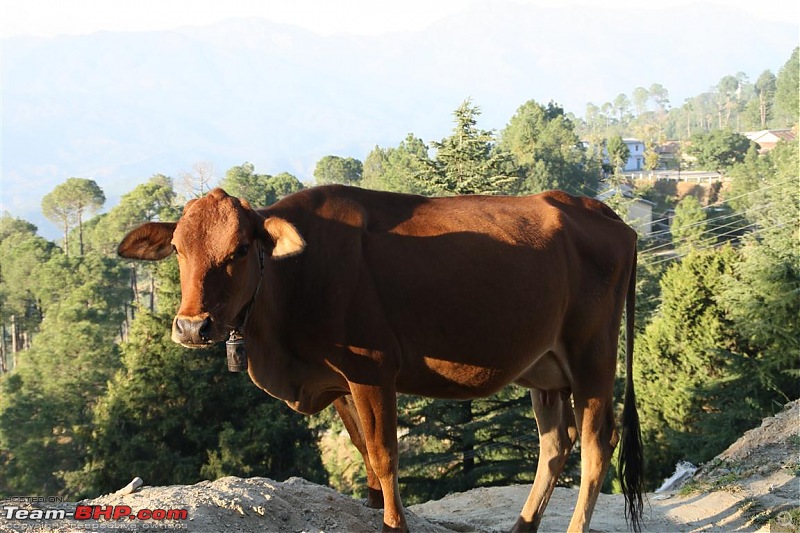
(631, 459)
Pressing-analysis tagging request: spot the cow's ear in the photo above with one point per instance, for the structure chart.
(151, 241)
(284, 235)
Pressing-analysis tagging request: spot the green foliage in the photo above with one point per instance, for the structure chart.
(685, 351)
(689, 227)
(150, 201)
(718, 150)
(21, 254)
(448, 446)
(787, 86)
(765, 88)
(76, 420)
(86, 408)
(747, 178)
(343, 463)
(281, 185)
(67, 204)
(548, 152)
(242, 181)
(396, 169)
(618, 153)
(468, 161)
(261, 190)
(15, 227)
(721, 351)
(177, 416)
(45, 404)
(335, 169)
(733, 103)
(766, 283)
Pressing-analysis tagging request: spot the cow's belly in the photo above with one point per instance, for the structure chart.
(455, 380)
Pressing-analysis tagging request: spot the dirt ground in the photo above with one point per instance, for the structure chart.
(752, 486)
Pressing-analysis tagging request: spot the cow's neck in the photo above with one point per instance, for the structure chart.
(282, 373)
(269, 363)
(236, 344)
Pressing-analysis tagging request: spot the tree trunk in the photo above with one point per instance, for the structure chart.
(66, 238)
(134, 285)
(468, 442)
(80, 234)
(152, 292)
(3, 364)
(14, 335)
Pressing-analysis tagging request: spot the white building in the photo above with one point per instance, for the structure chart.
(636, 160)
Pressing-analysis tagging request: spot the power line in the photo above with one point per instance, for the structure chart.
(718, 204)
(715, 245)
(711, 231)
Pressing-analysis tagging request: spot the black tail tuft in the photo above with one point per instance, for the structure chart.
(631, 463)
(631, 457)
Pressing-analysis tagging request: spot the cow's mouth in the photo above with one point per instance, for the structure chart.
(197, 346)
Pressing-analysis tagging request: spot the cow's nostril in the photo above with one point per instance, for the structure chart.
(205, 329)
(179, 327)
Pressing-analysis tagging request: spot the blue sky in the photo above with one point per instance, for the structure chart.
(363, 17)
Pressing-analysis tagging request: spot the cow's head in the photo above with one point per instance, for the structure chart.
(221, 245)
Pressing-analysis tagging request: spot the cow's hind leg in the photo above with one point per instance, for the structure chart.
(557, 435)
(595, 416)
(347, 412)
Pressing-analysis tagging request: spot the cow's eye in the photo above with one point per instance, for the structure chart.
(241, 251)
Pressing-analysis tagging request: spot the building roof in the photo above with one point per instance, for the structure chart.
(625, 190)
(770, 136)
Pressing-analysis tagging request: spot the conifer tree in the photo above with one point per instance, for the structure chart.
(468, 161)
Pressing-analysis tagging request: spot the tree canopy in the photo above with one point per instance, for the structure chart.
(67, 204)
(718, 150)
(335, 169)
(468, 161)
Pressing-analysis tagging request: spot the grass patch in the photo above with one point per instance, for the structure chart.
(787, 520)
(727, 482)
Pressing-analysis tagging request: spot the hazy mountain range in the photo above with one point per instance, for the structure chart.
(119, 107)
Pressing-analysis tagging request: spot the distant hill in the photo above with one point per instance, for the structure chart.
(119, 107)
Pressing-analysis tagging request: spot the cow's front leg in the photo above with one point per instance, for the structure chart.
(349, 415)
(377, 410)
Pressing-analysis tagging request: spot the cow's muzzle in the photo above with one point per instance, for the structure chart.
(194, 331)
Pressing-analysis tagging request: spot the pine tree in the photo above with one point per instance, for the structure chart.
(452, 446)
(689, 227)
(46, 403)
(468, 162)
(683, 362)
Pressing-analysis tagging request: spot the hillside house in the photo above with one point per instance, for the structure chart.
(640, 211)
(635, 161)
(669, 154)
(768, 139)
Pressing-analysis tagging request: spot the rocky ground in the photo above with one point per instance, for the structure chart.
(752, 486)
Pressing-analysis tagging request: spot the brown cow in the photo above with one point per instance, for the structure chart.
(349, 295)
